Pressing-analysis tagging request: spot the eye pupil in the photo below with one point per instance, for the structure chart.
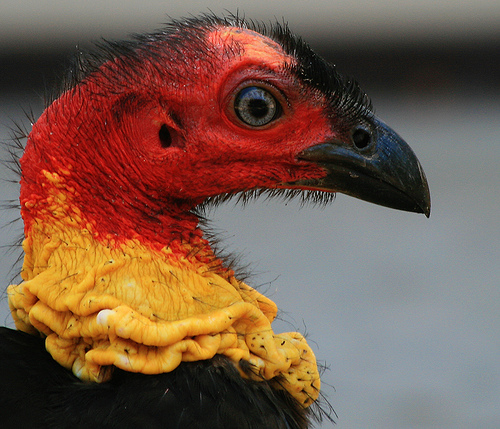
(256, 106)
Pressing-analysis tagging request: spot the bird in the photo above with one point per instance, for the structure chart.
(126, 315)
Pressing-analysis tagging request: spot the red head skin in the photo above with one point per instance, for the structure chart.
(103, 136)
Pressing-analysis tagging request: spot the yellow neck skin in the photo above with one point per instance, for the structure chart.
(146, 311)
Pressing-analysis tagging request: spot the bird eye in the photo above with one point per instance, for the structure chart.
(361, 137)
(256, 106)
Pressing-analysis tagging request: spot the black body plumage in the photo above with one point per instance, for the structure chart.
(38, 393)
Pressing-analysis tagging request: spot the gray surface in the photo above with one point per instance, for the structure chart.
(27, 23)
(405, 310)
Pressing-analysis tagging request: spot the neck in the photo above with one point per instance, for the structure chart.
(103, 300)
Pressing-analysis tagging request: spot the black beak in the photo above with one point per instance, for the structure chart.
(375, 165)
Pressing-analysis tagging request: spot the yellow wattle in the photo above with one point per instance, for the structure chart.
(145, 310)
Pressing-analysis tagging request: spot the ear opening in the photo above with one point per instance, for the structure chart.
(165, 136)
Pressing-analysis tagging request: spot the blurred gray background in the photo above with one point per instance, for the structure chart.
(404, 310)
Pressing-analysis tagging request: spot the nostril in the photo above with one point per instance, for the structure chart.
(361, 138)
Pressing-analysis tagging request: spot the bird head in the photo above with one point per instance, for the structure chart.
(148, 131)
(209, 108)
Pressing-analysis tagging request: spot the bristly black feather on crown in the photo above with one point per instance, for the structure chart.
(347, 99)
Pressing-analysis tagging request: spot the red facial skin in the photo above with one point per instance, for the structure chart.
(103, 137)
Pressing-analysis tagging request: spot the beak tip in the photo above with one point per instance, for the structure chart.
(426, 200)
(427, 208)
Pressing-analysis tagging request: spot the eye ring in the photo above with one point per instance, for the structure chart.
(256, 106)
